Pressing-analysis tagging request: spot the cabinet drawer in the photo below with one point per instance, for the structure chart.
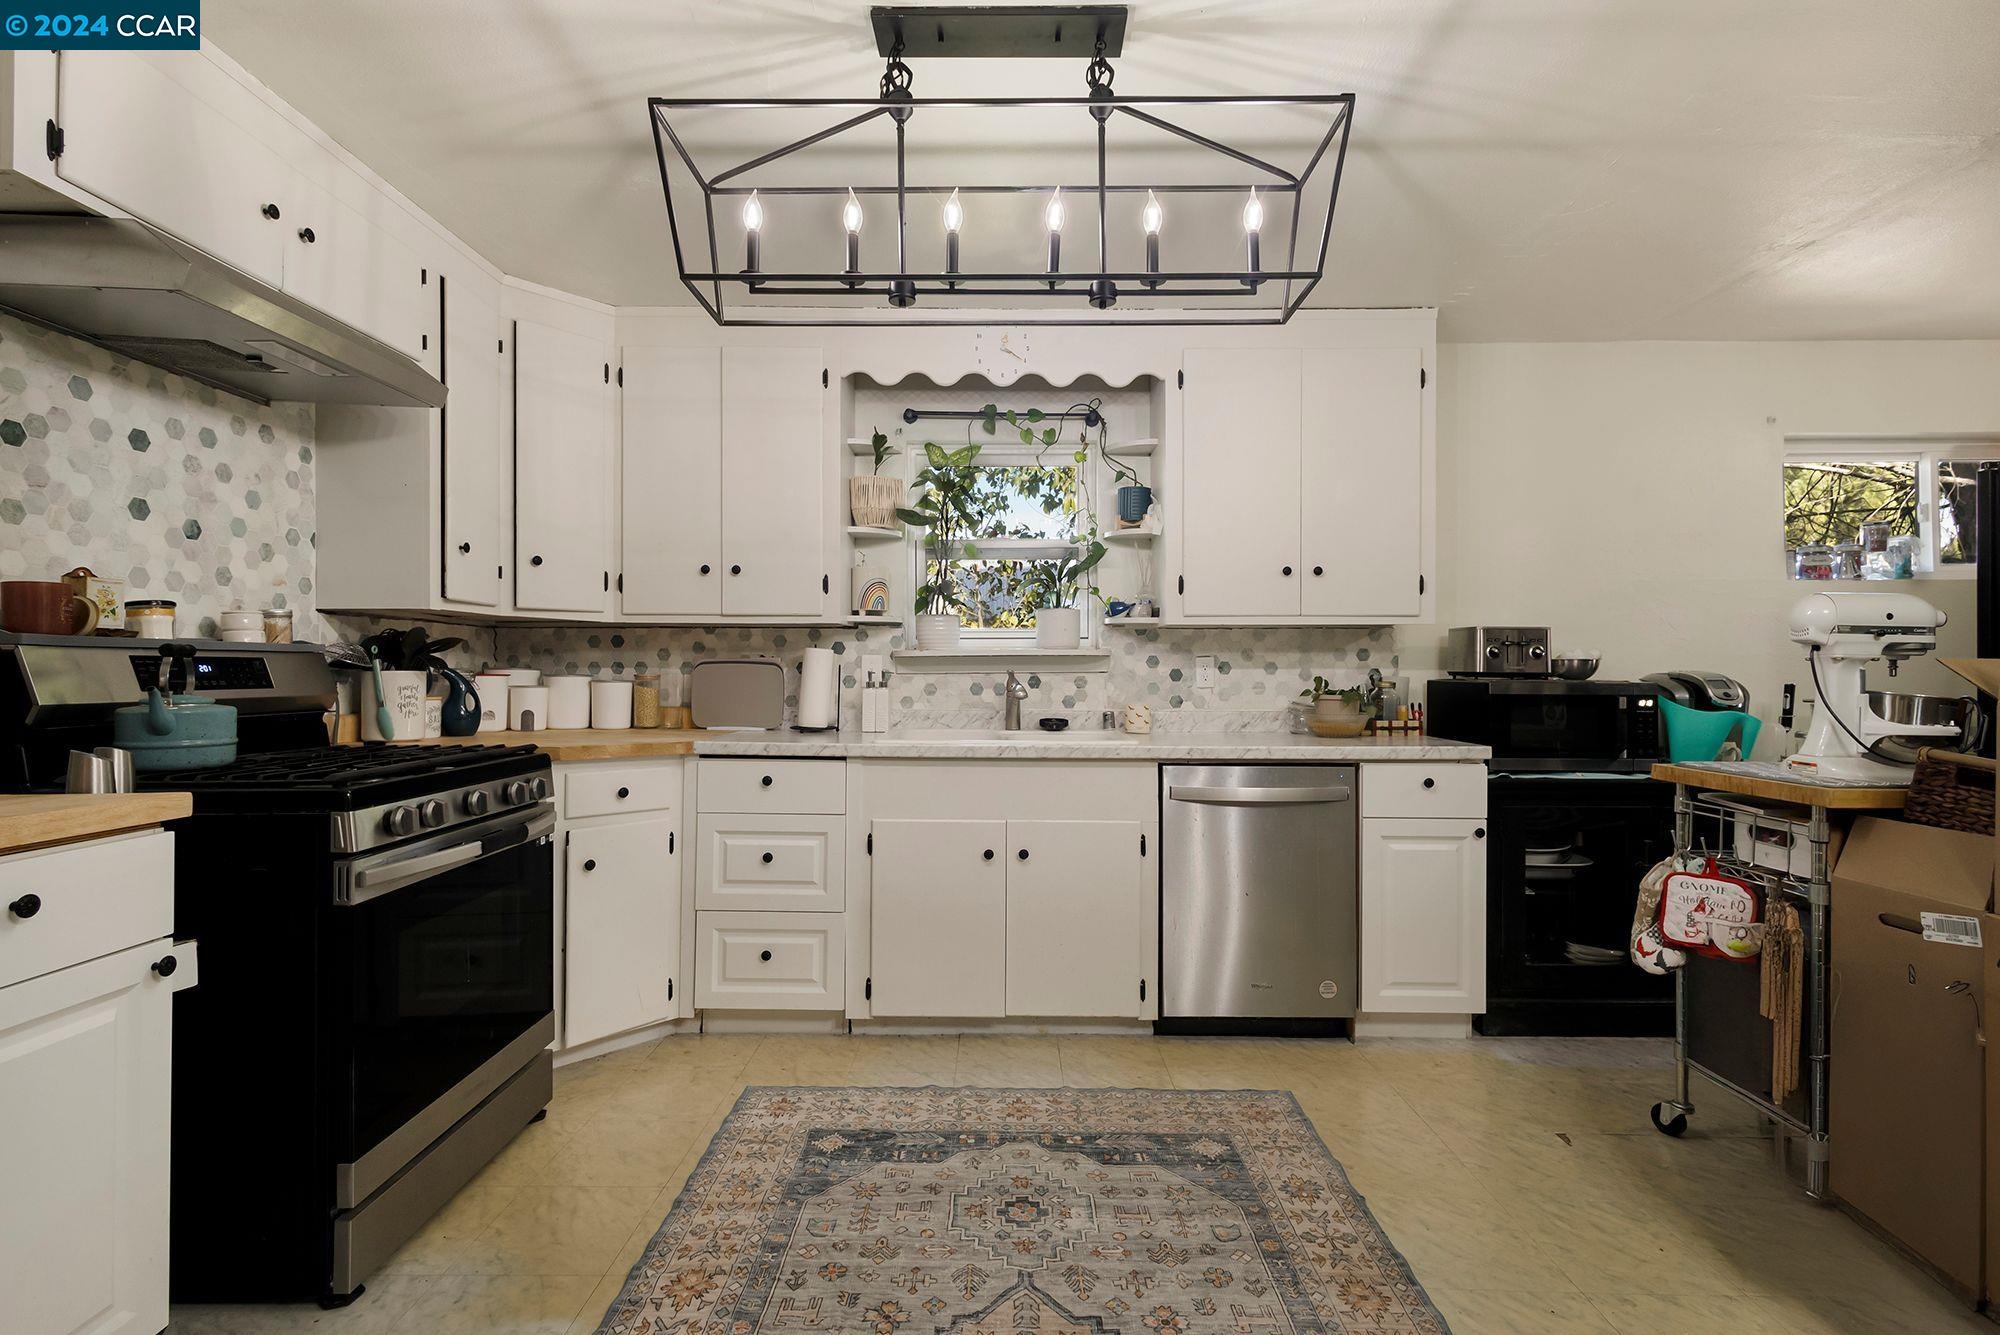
(771, 863)
(618, 788)
(805, 787)
(1450, 790)
(770, 961)
(60, 906)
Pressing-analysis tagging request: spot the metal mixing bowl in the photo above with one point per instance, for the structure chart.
(1572, 668)
(1922, 711)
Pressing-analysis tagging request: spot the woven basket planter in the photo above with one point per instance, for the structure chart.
(873, 500)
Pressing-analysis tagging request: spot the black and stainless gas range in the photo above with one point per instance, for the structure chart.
(377, 947)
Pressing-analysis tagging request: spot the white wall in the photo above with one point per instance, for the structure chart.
(1629, 495)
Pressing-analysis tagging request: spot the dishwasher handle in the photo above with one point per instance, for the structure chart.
(1259, 797)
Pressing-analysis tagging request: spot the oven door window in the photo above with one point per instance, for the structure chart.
(436, 978)
(1579, 728)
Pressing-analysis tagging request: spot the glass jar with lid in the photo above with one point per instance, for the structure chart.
(645, 699)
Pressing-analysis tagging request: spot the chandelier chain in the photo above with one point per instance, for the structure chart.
(1098, 75)
(896, 78)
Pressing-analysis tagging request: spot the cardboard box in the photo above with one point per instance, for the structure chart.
(1916, 961)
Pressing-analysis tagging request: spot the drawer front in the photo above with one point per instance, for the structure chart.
(771, 863)
(802, 787)
(1447, 790)
(770, 961)
(61, 906)
(613, 789)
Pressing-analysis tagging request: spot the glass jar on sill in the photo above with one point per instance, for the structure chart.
(1812, 561)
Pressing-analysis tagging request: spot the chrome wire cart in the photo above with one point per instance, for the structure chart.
(1766, 1045)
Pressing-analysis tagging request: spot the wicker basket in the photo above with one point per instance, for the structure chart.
(1952, 791)
(874, 500)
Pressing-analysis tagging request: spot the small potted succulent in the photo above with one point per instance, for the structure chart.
(871, 498)
(1337, 711)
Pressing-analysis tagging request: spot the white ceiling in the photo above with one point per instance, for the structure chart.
(1538, 169)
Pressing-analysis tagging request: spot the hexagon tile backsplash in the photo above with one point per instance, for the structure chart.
(180, 490)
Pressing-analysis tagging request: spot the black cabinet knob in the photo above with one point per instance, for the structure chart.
(989, 855)
(1319, 570)
(271, 211)
(1430, 783)
(764, 956)
(1023, 855)
(165, 966)
(1288, 570)
(736, 570)
(1479, 834)
(704, 569)
(534, 560)
(464, 547)
(767, 781)
(27, 906)
(624, 793)
(306, 235)
(767, 857)
(590, 864)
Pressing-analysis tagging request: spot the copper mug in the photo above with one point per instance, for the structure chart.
(45, 607)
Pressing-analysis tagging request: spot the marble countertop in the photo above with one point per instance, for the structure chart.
(921, 744)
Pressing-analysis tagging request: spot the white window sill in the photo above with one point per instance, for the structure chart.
(979, 656)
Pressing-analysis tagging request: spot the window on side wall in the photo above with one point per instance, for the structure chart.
(1836, 494)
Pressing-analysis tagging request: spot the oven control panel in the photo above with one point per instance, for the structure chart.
(371, 827)
(210, 673)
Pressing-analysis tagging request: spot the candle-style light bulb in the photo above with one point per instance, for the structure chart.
(753, 241)
(954, 217)
(850, 218)
(1253, 221)
(1053, 216)
(1151, 219)
(753, 213)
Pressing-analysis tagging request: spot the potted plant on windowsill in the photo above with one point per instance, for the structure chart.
(1337, 711)
(871, 498)
(1060, 625)
(944, 511)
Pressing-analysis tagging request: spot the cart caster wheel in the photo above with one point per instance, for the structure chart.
(1668, 1126)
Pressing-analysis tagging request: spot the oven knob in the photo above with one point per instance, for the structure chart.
(1492, 651)
(540, 788)
(1538, 651)
(516, 792)
(476, 802)
(431, 813)
(401, 820)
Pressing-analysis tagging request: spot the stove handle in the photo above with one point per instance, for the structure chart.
(380, 878)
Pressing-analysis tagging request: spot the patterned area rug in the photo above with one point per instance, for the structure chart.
(1018, 1212)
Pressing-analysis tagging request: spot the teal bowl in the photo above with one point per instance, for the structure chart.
(1697, 734)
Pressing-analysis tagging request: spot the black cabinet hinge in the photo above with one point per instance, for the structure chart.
(670, 842)
(621, 581)
(871, 843)
(607, 581)
(1142, 845)
(1420, 586)
(502, 345)
(1142, 989)
(868, 989)
(826, 584)
(426, 342)
(822, 377)
(621, 377)
(1180, 379)
(53, 140)
(423, 278)
(1181, 584)
(1423, 377)
(670, 989)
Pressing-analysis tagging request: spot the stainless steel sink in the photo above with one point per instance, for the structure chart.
(995, 736)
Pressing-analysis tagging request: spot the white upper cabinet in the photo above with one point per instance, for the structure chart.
(1304, 485)
(774, 483)
(562, 470)
(342, 263)
(671, 481)
(1240, 512)
(1361, 483)
(136, 137)
(477, 449)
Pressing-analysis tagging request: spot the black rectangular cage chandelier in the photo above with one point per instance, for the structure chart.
(1093, 210)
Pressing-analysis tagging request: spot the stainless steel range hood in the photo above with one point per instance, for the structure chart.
(139, 292)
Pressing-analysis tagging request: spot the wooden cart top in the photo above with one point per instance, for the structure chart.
(1802, 792)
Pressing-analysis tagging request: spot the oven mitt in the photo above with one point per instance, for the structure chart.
(1710, 914)
(1649, 951)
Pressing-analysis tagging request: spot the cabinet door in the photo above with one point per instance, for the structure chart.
(622, 913)
(339, 262)
(1240, 483)
(1423, 916)
(1361, 483)
(938, 924)
(139, 139)
(773, 485)
(476, 455)
(562, 470)
(85, 1082)
(671, 405)
(1076, 920)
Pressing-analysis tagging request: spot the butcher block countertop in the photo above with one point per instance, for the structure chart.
(62, 818)
(568, 744)
(1802, 792)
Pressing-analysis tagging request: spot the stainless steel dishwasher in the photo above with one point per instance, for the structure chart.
(1259, 915)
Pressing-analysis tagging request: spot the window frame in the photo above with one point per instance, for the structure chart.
(1007, 638)
(1927, 453)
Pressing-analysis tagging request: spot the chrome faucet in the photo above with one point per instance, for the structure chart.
(1016, 693)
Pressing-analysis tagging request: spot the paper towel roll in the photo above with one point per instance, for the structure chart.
(819, 685)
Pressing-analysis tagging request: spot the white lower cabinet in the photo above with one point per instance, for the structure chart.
(623, 914)
(782, 863)
(770, 961)
(1423, 915)
(938, 939)
(1076, 939)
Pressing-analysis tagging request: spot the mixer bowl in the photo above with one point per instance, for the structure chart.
(1922, 711)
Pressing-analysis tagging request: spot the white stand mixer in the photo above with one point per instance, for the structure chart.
(1843, 633)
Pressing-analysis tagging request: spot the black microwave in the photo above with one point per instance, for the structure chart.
(1600, 727)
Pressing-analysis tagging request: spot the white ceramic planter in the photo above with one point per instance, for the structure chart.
(1058, 628)
(937, 631)
(406, 692)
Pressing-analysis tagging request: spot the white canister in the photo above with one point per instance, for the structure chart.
(611, 704)
(527, 708)
(240, 619)
(492, 688)
(569, 701)
(405, 694)
(523, 676)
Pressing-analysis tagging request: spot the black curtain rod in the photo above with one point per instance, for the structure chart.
(1091, 417)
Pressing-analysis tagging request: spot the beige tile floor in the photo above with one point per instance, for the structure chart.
(1520, 1178)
